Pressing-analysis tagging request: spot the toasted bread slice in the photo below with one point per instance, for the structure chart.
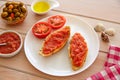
(77, 51)
(55, 41)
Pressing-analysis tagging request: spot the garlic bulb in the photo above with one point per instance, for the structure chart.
(99, 27)
(110, 31)
(104, 37)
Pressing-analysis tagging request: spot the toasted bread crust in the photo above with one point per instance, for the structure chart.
(57, 49)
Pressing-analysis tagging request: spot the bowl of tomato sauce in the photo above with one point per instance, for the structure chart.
(10, 43)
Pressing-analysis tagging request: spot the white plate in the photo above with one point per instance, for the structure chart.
(59, 63)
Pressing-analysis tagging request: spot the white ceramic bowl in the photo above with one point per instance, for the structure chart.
(19, 48)
(51, 3)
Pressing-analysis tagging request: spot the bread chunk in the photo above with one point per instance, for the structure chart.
(55, 41)
(77, 51)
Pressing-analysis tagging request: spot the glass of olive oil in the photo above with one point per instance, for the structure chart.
(43, 6)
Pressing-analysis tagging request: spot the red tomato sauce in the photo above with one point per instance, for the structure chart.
(78, 48)
(12, 40)
(56, 40)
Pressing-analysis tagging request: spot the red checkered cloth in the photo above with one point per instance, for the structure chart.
(113, 56)
(109, 73)
(112, 66)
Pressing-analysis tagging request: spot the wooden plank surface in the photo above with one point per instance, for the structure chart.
(100, 9)
(9, 74)
(18, 67)
(107, 10)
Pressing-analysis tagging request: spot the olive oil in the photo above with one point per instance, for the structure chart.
(41, 6)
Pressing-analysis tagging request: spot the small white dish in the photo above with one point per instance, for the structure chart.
(42, 5)
(18, 49)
